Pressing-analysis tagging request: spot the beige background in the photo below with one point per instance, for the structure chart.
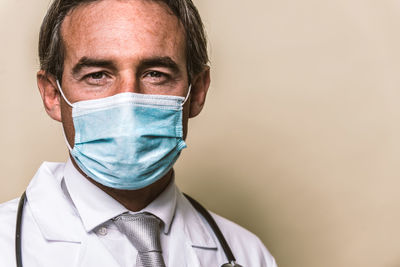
(299, 141)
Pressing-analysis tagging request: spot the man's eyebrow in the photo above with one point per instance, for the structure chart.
(159, 62)
(91, 62)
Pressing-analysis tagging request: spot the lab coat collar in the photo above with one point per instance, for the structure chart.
(49, 205)
(196, 228)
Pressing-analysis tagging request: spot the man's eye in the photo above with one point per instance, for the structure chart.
(97, 78)
(96, 75)
(155, 77)
(155, 74)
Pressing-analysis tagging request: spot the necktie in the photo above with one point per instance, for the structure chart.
(143, 230)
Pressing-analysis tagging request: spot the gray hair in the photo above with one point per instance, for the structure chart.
(51, 47)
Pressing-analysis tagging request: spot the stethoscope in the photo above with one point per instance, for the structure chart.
(207, 216)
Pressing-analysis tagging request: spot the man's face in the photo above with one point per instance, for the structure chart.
(116, 46)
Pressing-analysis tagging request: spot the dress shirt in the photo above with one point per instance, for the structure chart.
(97, 209)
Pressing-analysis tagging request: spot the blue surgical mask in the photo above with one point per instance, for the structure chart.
(128, 140)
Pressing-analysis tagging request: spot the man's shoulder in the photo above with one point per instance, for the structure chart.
(8, 218)
(8, 212)
(234, 230)
(9, 209)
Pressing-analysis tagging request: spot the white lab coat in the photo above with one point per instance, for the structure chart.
(53, 236)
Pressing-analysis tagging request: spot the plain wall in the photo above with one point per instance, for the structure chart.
(299, 139)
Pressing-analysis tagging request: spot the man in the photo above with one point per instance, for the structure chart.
(123, 77)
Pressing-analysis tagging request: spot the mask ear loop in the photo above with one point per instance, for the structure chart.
(62, 93)
(65, 138)
(69, 103)
(187, 96)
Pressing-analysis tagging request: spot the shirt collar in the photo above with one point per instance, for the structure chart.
(96, 207)
(164, 205)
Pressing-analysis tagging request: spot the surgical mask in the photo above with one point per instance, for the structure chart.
(128, 140)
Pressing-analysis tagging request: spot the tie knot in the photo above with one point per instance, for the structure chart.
(142, 230)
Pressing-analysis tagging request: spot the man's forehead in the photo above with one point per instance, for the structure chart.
(94, 12)
(113, 27)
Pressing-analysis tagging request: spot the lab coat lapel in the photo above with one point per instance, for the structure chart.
(200, 246)
(54, 215)
(58, 220)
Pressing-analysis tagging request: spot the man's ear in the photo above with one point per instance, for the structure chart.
(50, 95)
(200, 85)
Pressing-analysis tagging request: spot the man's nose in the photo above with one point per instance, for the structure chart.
(128, 83)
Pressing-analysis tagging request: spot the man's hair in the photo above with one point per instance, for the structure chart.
(51, 48)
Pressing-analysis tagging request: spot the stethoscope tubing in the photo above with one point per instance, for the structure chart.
(210, 220)
(18, 230)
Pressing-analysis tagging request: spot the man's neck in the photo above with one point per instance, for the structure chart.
(133, 200)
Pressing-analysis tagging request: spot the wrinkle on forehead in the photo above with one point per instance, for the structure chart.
(142, 17)
(158, 6)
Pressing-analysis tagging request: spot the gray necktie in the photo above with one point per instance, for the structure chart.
(143, 230)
